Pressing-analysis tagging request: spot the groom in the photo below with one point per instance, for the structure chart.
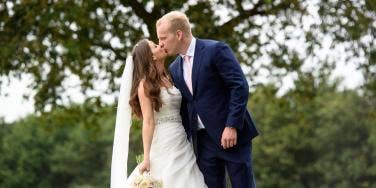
(215, 94)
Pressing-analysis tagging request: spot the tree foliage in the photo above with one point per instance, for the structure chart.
(65, 148)
(55, 40)
(314, 136)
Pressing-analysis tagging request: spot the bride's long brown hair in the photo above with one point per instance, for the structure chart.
(145, 69)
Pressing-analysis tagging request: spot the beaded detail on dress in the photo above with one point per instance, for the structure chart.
(170, 110)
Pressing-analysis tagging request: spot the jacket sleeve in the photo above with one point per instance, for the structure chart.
(234, 79)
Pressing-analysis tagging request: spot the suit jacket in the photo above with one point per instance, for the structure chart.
(220, 92)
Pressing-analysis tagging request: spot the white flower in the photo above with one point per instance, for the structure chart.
(147, 181)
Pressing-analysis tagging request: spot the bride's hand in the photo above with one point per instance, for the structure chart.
(144, 166)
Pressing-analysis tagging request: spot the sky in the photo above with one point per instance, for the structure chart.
(14, 106)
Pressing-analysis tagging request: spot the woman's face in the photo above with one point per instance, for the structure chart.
(157, 51)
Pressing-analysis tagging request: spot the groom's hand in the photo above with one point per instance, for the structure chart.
(229, 137)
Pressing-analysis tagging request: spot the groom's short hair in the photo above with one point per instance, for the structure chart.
(177, 21)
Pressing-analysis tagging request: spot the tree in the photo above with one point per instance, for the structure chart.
(314, 136)
(54, 40)
(67, 147)
(4, 130)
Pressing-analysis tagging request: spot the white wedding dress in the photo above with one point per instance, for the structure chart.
(172, 159)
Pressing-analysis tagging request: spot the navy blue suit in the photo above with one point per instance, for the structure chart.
(220, 95)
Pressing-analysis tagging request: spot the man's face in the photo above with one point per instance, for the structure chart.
(168, 40)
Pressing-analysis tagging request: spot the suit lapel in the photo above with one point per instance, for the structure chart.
(197, 61)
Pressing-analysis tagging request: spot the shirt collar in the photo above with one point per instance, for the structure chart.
(191, 48)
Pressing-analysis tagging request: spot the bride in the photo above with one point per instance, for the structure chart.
(152, 97)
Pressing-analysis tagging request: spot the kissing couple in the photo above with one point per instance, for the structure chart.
(195, 122)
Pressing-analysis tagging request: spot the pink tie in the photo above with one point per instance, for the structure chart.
(188, 80)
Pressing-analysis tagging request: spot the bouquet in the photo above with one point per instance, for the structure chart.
(145, 180)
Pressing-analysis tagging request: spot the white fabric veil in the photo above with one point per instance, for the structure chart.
(122, 128)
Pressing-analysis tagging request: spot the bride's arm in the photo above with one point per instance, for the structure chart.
(147, 126)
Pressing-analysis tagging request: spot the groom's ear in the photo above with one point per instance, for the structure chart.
(179, 33)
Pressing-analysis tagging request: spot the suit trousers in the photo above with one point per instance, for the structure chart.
(213, 160)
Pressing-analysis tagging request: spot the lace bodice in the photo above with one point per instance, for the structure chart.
(170, 110)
